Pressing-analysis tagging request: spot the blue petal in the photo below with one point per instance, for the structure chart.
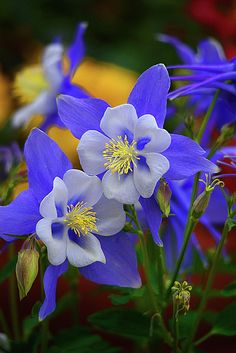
(153, 216)
(149, 95)
(45, 161)
(50, 279)
(20, 217)
(186, 158)
(81, 115)
(211, 52)
(71, 89)
(76, 51)
(50, 120)
(120, 268)
(185, 53)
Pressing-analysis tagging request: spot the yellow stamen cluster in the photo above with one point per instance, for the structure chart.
(181, 295)
(81, 219)
(120, 155)
(29, 83)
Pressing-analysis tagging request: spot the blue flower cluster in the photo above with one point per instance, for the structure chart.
(125, 152)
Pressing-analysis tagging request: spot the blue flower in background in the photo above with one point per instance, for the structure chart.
(127, 144)
(210, 71)
(10, 156)
(48, 81)
(68, 212)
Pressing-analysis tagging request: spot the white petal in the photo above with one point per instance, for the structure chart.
(56, 246)
(117, 120)
(82, 187)
(43, 104)
(120, 187)
(90, 149)
(110, 216)
(85, 251)
(147, 127)
(146, 177)
(52, 65)
(56, 199)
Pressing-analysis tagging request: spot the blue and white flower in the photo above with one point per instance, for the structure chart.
(67, 211)
(127, 144)
(38, 86)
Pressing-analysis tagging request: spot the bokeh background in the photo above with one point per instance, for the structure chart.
(120, 33)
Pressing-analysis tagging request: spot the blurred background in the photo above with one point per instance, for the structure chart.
(120, 32)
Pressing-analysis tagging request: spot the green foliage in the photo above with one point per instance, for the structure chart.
(79, 339)
(126, 295)
(124, 322)
(225, 323)
(229, 290)
(8, 269)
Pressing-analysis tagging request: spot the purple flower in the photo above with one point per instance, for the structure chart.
(66, 209)
(210, 71)
(9, 157)
(127, 144)
(54, 82)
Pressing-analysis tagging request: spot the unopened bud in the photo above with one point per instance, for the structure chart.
(226, 133)
(163, 197)
(26, 270)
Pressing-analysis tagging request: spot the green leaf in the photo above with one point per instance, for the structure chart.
(31, 321)
(225, 323)
(229, 290)
(123, 322)
(8, 269)
(79, 339)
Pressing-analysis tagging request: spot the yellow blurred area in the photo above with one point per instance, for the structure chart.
(5, 99)
(102, 80)
(106, 81)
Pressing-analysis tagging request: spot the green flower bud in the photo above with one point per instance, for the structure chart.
(200, 204)
(26, 270)
(163, 197)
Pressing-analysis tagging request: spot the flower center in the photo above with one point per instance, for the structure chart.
(120, 155)
(29, 83)
(81, 219)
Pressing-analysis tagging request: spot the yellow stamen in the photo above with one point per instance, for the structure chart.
(29, 83)
(81, 219)
(120, 155)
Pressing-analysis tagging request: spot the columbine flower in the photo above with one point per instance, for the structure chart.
(37, 86)
(128, 142)
(69, 214)
(209, 71)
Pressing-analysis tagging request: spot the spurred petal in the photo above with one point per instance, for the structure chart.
(20, 217)
(110, 216)
(90, 149)
(77, 49)
(45, 161)
(153, 216)
(50, 279)
(185, 53)
(120, 268)
(119, 121)
(149, 95)
(81, 115)
(120, 187)
(210, 52)
(186, 158)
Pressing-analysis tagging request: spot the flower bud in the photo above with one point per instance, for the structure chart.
(26, 270)
(163, 197)
(200, 204)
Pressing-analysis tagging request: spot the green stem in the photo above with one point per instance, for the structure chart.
(13, 298)
(209, 283)
(4, 324)
(203, 338)
(161, 271)
(175, 327)
(207, 117)
(44, 324)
